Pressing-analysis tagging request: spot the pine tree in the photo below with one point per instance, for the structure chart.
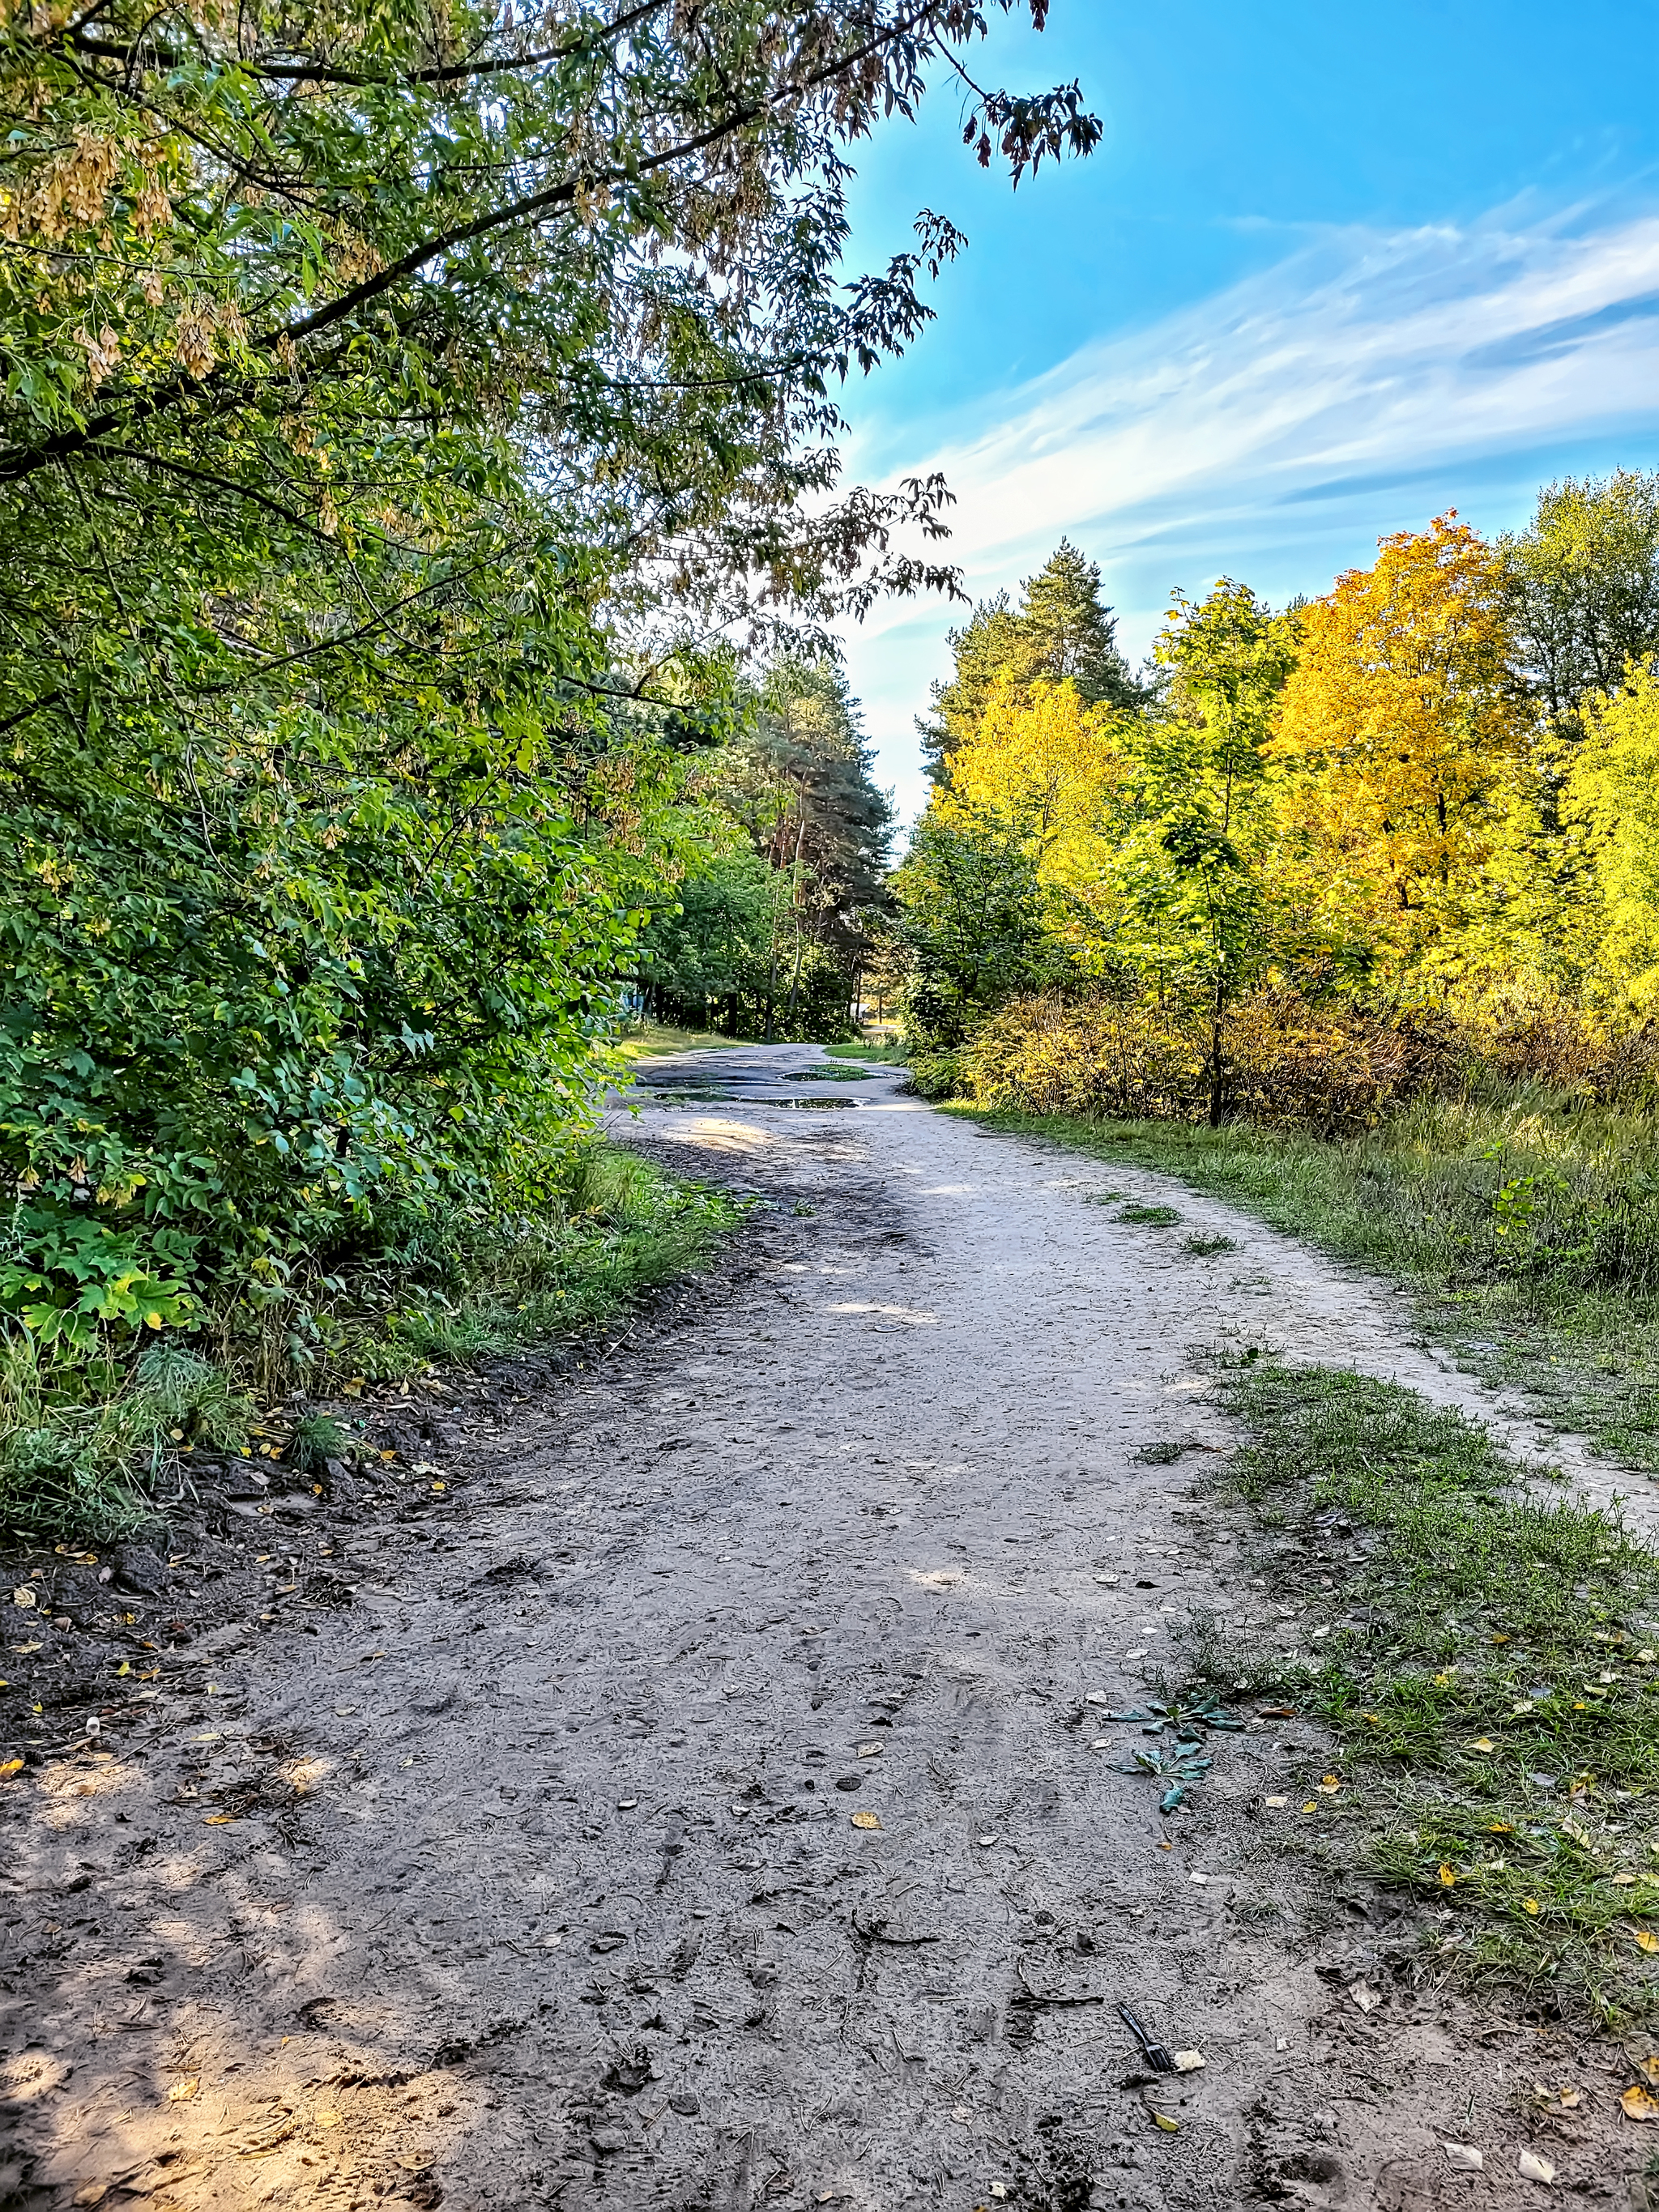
(1060, 633)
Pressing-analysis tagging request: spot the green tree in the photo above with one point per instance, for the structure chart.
(1200, 911)
(396, 400)
(975, 922)
(1582, 588)
(1060, 633)
(794, 792)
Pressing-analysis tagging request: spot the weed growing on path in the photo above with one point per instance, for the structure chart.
(1488, 1659)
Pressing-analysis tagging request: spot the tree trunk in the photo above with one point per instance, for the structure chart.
(1218, 1073)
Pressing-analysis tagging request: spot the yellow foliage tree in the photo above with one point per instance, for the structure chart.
(1049, 768)
(1404, 740)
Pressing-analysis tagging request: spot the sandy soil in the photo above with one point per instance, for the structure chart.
(706, 1800)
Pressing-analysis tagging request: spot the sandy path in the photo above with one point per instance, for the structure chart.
(720, 1820)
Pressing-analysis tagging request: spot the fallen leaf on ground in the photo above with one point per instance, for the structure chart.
(1447, 1877)
(865, 1820)
(1170, 2127)
(1365, 1997)
(182, 2090)
(1464, 2156)
(1189, 2061)
(1534, 2168)
(1640, 2104)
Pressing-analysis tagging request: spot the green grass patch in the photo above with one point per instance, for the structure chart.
(1488, 1665)
(82, 1445)
(889, 1056)
(831, 1072)
(652, 1040)
(1150, 1217)
(1525, 1225)
(626, 1226)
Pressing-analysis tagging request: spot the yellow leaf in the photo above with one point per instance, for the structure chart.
(181, 2090)
(437, 1486)
(1170, 2127)
(12, 1766)
(1531, 1904)
(219, 1820)
(329, 2118)
(1447, 1877)
(1483, 1743)
(1640, 2104)
(1646, 1938)
(865, 1820)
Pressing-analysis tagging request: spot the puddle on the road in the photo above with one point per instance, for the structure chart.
(741, 1098)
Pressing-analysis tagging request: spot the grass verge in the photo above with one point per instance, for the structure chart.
(1489, 1664)
(84, 1446)
(649, 1040)
(1527, 1227)
(888, 1055)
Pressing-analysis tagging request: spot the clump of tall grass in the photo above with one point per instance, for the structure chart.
(82, 1454)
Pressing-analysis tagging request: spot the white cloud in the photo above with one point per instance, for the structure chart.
(1359, 353)
(1363, 359)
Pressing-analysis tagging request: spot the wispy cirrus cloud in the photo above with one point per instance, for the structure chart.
(1359, 354)
(1362, 372)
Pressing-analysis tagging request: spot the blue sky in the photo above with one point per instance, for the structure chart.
(1331, 271)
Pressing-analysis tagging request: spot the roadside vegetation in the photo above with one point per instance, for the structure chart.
(1488, 1663)
(423, 537)
(82, 1449)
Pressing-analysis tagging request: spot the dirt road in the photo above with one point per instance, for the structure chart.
(717, 1808)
